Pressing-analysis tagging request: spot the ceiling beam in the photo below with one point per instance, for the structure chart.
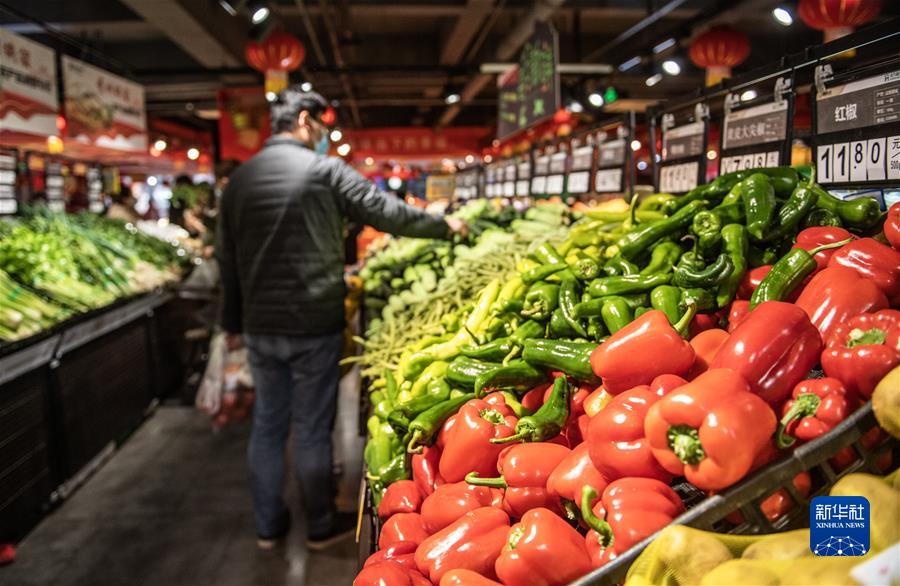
(339, 62)
(186, 31)
(464, 30)
(310, 31)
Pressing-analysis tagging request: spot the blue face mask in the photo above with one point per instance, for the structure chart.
(322, 145)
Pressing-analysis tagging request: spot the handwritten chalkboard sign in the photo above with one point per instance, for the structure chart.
(529, 93)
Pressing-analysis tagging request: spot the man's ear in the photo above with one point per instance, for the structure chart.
(303, 118)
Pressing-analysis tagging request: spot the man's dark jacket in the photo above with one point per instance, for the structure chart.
(281, 238)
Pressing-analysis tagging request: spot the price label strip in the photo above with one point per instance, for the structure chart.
(857, 131)
(759, 136)
(539, 180)
(610, 176)
(556, 180)
(8, 202)
(683, 164)
(523, 182)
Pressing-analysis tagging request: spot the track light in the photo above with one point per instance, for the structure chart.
(783, 16)
(748, 95)
(670, 42)
(259, 12)
(631, 63)
(653, 79)
(306, 86)
(595, 99)
(336, 135)
(671, 67)
(452, 98)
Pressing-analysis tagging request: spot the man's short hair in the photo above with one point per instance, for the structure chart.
(290, 102)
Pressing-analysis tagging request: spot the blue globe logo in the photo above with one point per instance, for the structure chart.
(840, 546)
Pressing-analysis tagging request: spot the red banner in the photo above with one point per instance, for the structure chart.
(418, 143)
(243, 122)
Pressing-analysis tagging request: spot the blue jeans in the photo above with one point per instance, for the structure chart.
(296, 380)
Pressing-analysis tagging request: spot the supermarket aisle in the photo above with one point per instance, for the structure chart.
(172, 508)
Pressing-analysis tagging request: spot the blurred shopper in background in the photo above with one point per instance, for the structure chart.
(122, 207)
(280, 248)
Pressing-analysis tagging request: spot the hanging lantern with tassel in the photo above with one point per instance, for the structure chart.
(276, 56)
(837, 18)
(718, 50)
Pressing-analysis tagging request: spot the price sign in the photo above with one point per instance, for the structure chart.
(611, 163)
(509, 188)
(683, 157)
(523, 188)
(679, 178)
(542, 165)
(538, 185)
(558, 163)
(523, 169)
(608, 180)
(683, 141)
(857, 139)
(612, 153)
(8, 202)
(509, 172)
(556, 184)
(758, 136)
(579, 182)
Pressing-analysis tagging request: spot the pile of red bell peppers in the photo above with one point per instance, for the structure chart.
(539, 486)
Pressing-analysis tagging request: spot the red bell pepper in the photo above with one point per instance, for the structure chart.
(873, 261)
(425, 470)
(773, 349)
(665, 383)
(389, 573)
(400, 497)
(468, 447)
(542, 550)
(622, 360)
(524, 470)
(402, 527)
(706, 345)
(402, 552)
(816, 406)
(630, 510)
(466, 578)
(617, 444)
(533, 399)
(751, 281)
(573, 472)
(703, 322)
(869, 440)
(837, 294)
(740, 309)
(892, 225)
(449, 502)
(710, 430)
(817, 236)
(861, 350)
(596, 401)
(472, 542)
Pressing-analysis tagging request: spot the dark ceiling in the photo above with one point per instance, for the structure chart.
(389, 63)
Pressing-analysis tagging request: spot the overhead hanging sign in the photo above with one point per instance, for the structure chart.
(529, 93)
(103, 109)
(857, 131)
(28, 89)
(758, 136)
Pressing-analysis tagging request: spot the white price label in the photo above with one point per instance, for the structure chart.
(522, 188)
(772, 159)
(539, 185)
(608, 180)
(8, 206)
(96, 207)
(679, 178)
(7, 177)
(858, 161)
(893, 157)
(842, 162)
(509, 188)
(875, 154)
(556, 184)
(825, 164)
(56, 206)
(579, 182)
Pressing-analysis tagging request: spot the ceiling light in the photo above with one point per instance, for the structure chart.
(670, 42)
(370, 161)
(271, 96)
(193, 154)
(711, 155)
(635, 145)
(653, 79)
(227, 7)
(671, 67)
(452, 98)
(306, 86)
(394, 182)
(470, 159)
(344, 149)
(259, 12)
(336, 135)
(783, 16)
(748, 95)
(575, 107)
(160, 145)
(488, 158)
(633, 62)
(152, 180)
(595, 99)
(641, 165)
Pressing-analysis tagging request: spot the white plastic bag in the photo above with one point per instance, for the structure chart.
(226, 393)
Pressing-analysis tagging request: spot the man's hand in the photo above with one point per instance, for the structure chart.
(234, 342)
(457, 226)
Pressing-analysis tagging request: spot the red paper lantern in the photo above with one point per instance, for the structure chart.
(329, 116)
(837, 17)
(718, 50)
(279, 54)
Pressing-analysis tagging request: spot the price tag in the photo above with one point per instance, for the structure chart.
(509, 188)
(825, 164)
(556, 184)
(96, 207)
(893, 157)
(522, 188)
(875, 156)
(679, 178)
(56, 206)
(842, 162)
(858, 161)
(608, 180)
(858, 170)
(539, 185)
(8, 206)
(579, 182)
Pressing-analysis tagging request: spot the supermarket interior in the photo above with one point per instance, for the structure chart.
(449, 292)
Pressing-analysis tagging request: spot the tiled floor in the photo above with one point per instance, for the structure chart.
(171, 508)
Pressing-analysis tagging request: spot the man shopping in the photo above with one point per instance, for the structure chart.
(281, 253)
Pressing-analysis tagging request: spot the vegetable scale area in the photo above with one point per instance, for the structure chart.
(648, 393)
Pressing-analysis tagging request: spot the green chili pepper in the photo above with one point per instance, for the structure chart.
(706, 221)
(731, 214)
(437, 391)
(619, 266)
(572, 358)
(654, 201)
(559, 327)
(794, 210)
(427, 423)
(859, 214)
(701, 299)
(637, 241)
(662, 258)
(548, 255)
(787, 274)
(757, 257)
(492, 351)
(528, 329)
(586, 269)
(398, 421)
(568, 298)
(641, 311)
(821, 217)
(758, 196)
(514, 404)
(518, 375)
(434, 371)
(616, 314)
(667, 299)
(463, 371)
(627, 284)
(690, 260)
(540, 301)
(619, 217)
(596, 329)
(397, 468)
(380, 447)
(541, 272)
(594, 307)
(735, 245)
(546, 423)
(711, 276)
